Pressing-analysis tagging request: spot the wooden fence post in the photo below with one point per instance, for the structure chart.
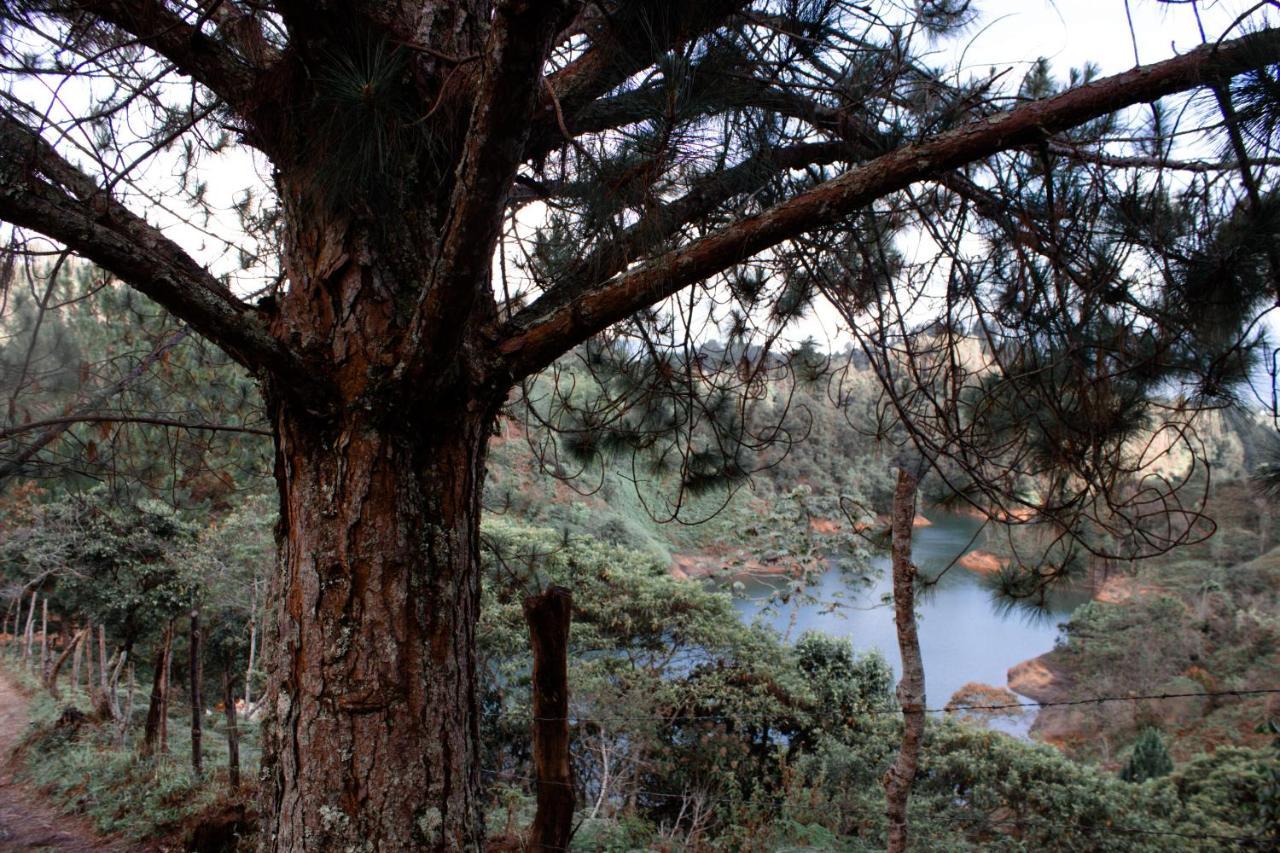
(549, 615)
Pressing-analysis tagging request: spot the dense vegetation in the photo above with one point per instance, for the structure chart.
(694, 730)
(690, 729)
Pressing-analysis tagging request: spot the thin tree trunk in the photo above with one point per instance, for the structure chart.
(79, 653)
(87, 649)
(233, 733)
(44, 640)
(197, 706)
(62, 658)
(151, 739)
(102, 657)
(253, 647)
(548, 616)
(604, 777)
(109, 701)
(164, 694)
(127, 716)
(911, 696)
(30, 632)
(65, 633)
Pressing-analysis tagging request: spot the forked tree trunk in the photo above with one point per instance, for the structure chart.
(152, 734)
(73, 645)
(897, 782)
(548, 615)
(372, 735)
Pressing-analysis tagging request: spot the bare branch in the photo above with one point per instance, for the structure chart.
(122, 418)
(196, 54)
(537, 335)
(1118, 161)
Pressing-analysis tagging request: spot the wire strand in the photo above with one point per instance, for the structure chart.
(959, 709)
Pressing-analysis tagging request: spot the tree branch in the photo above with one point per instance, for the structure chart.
(519, 39)
(1120, 161)
(667, 219)
(196, 54)
(628, 41)
(41, 191)
(57, 426)
(120, 418)
(714, 91)
(540, 333)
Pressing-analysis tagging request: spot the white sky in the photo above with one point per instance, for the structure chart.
(1013, 34)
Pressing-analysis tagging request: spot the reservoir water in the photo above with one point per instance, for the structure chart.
(965, 634)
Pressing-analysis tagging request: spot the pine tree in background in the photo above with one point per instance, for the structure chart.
(1150, 758)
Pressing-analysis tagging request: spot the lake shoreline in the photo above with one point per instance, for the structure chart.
(967, 637)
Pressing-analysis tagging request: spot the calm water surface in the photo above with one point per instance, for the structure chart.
(965, 635)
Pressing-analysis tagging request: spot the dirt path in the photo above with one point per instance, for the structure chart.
(28, 821)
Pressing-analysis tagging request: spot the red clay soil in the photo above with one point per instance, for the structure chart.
(28, 821)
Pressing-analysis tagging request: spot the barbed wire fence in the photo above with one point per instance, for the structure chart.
(958, 708)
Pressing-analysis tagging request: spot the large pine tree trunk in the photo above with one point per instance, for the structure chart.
(373, 734)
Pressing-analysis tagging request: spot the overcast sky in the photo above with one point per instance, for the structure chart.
(1073, 32)
(1012, 34)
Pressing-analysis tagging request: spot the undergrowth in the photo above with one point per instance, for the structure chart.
(85, 767)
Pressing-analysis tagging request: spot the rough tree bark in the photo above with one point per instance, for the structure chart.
(374, 646)
(897, 781)
(549, 615)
